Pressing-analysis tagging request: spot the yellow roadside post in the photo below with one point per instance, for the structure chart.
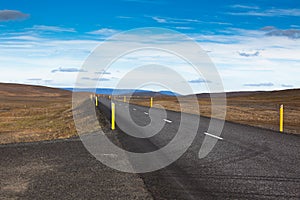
(151, 102)
(96, 101)
(113, 116)
(281, 119)
(124, 99)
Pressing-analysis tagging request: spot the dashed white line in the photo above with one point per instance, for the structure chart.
(112, 155)
(214, 136)
(166, 120)
(146, 113)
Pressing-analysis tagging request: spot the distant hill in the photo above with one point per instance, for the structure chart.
(110, 91)
(276, 93)
(11, 89)
(106, 91)
(20, 90)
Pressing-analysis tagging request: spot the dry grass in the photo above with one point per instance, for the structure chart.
(259, 109)
(30, 113)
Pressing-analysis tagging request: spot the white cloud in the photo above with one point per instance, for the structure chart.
(287, 85)
(244, 7)
(104, 31)
(291, 33)
(124, 17)
(269, 13)
(184, 22)
(259, 84)
(29, 56)
(51, 28)
(159, 20)
(277, 61)
(184, 28)
(171, 20)
(295, 26)
(249, 54)
(68, 70)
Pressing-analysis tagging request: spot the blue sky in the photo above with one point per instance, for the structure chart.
(255, 45)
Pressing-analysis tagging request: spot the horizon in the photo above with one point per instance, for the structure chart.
(71, 88)
(254, 45)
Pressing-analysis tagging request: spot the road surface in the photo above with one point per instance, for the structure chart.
(249, 163)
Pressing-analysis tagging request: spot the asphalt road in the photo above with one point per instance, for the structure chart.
(249, 163)
(62, 169)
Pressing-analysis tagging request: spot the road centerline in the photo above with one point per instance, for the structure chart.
(166, 120)
(214, 136)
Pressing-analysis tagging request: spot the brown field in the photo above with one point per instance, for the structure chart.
(32, 113)
(259, 109)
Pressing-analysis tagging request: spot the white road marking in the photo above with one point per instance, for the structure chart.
(169, 121)
(146, 113)
(110, 155)
(214, 136)
(133, 109)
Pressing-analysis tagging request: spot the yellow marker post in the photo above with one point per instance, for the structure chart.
(281, 119)
(124, 99)
(96, 99)
(151, 102)
(113, 116)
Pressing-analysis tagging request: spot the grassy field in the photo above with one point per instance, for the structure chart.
(259, 109)
(32, 113)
